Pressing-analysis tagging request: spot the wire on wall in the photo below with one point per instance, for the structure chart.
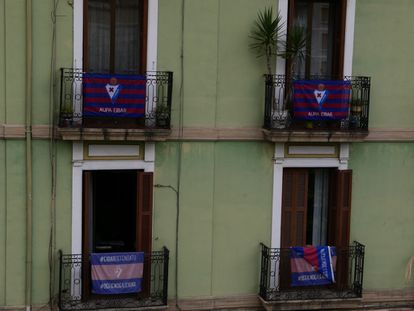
(53, 159)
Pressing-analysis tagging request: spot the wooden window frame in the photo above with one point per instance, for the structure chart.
(144, 218)
(338, 49)
(143, 36)
(339, 210)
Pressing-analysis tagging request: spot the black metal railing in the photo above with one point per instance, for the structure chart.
(275, 276)
(158, 93)
(72, 276)
(278, 114)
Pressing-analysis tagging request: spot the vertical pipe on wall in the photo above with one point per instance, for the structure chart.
(29, 222)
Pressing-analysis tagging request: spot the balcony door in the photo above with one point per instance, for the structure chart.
(115, 36)
(324, 23)
(316, 209)
(117, 216)
(115, 43)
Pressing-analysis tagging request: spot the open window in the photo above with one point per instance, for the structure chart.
(316, 210)
(324, 23)
(316, 205)
(117, 217)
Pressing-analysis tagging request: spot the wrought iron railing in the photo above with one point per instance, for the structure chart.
(275, 276)
(278, 113)
(158, 93)
(72, 276)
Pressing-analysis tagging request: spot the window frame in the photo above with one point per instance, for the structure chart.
(143, 37)
(338, 48)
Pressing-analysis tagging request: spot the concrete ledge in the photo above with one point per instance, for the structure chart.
(244, 302)
(17, 131)
(372, 300)
(98, 134)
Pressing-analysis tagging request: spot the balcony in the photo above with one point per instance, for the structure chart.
(114, 107)
(275, 284)
(73, 297)
(283, 121)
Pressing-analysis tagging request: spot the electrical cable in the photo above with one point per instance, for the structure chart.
(180, 150)
(53, 160)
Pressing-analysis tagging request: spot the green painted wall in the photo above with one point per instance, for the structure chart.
(3, 221)
(226, 187)
(13, 217)
(15, 222)
(223, 82)
(12, 152)
(225, 211)
(383, 210)
(13, 57)
(384, 51)
(2, 65)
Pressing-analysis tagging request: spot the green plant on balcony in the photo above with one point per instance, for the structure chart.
(356, 112)
(66, 114)
(162, 115)
(266, 35)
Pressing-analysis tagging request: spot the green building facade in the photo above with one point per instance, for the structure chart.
(213, 179)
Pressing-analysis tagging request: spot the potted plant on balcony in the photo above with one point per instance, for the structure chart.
(356, 112)
(66, 115)
(162, 115)
(266, 36)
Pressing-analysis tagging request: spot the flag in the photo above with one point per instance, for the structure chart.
(313, 265)
(321, 99)
(117, 273)
(107, 95)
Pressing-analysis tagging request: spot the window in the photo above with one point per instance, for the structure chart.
(316, 207)
(316, 210)
(117, 216)
(324, 23)
(115, 36)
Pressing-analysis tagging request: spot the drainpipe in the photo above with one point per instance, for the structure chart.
(29, 221)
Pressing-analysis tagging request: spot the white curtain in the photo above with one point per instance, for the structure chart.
(99, 35)
(320, 207)
(127, 37)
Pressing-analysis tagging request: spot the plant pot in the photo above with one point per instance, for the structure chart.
(356, 110)
(280, 119)
(354, 121)
(162, 122)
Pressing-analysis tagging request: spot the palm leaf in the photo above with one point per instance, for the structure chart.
(266, 35)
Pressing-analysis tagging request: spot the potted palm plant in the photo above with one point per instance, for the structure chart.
(66, 115)
(266, 35)
(162, 115)
(266, 41)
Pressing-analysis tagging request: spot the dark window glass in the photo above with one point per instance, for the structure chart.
(317, 18)
(114, 36)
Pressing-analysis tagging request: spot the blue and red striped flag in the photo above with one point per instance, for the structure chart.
(321, 99)
(312, 265)
(107, 95)
(117, 273)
